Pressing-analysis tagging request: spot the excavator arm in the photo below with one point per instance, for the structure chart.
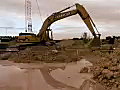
(62, 14)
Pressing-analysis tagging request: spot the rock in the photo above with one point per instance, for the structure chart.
(84, 70)
(54, 52)
(114, 68)
(106, 71)
(119, 86)
(119, 66)
(113, 80)
(116, 74)
(109, 74)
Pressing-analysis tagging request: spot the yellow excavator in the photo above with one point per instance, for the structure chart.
(43, 34)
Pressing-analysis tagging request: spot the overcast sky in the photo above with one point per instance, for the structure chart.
(105, 14)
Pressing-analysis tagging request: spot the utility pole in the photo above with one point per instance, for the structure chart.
(28, 16)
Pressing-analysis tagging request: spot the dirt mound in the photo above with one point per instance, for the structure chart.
(107, 70)
(44, 54)
(76, 44)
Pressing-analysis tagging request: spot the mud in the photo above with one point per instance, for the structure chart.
(44, 76)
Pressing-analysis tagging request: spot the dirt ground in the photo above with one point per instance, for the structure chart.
(105, 69)
(49, 76)
(68, 51)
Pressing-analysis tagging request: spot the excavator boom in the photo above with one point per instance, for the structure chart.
(62, 14)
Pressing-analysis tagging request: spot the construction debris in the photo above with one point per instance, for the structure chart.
(107, 70)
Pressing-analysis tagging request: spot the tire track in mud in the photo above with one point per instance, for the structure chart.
(88, 84)
(52, 82)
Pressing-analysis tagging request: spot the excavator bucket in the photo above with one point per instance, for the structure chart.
(95, 42)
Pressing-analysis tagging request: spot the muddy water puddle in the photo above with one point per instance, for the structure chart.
(44, 76)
